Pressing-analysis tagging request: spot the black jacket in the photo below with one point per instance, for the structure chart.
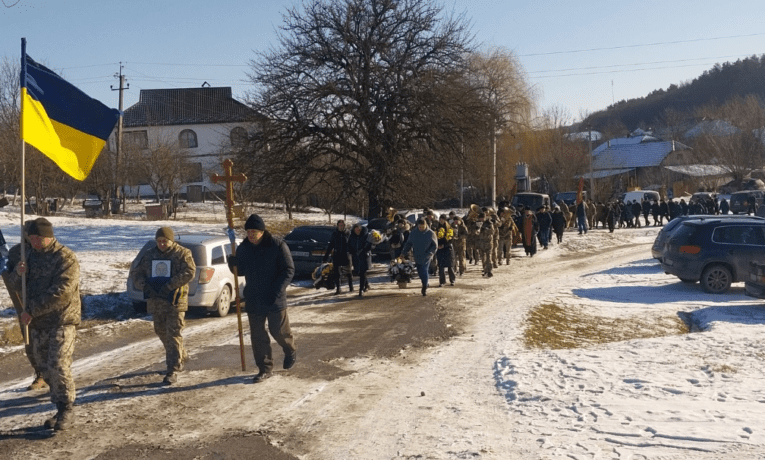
(268, 269)
(338, 243)
(360, 249)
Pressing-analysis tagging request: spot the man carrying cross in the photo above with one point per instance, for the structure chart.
(266, 263)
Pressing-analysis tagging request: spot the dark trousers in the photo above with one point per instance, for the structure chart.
(335, 276)
(279, 326)
(422, 272)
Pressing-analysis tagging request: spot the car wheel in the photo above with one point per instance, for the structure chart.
(716, 279)
(688, 280)
(223, 303)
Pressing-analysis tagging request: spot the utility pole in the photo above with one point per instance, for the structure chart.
(592, 179)
(123, 86)
(494, 167)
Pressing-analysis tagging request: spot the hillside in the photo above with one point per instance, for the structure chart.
(714, 86)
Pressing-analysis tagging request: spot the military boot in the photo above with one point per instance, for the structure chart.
(65, 418)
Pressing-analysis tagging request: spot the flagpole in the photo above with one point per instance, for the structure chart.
(23, 185)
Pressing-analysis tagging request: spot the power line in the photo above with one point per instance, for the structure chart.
(639, 45)
(193, 65)
(640, 63)
(618, 71)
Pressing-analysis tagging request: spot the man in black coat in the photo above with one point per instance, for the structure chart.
(266, 263)
(338, 247)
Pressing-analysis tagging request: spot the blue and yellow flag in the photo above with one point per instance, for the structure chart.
(64, 123)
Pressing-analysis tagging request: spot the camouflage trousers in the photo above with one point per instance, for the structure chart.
(471, 247)
(52, 354)
(494, 251)
(505, 249)
(486, 259)
(459, 252)
(168, 325)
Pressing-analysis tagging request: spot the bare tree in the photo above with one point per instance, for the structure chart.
(10, 143)
(370, 91)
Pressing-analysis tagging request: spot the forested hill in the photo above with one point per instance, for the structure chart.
(714, 86)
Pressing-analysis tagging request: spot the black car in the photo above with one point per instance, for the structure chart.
(308, 244)
(715, 251)
(659, 244)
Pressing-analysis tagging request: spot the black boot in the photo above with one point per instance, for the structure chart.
(64, 418)
(350, 284)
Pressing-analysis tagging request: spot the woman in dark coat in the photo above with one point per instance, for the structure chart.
(544, 221)
(558, 223)
(338, 247)
(444, 253)
(361, 254)
(529, 228)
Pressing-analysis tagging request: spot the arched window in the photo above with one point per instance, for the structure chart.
(187, 139)
(238, 137)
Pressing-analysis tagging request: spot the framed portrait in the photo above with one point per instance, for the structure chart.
(160, 268)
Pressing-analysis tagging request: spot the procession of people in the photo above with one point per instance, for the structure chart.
(444, 247)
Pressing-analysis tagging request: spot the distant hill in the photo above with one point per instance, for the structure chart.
(714, 86)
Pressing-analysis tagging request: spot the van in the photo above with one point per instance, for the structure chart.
(531, 200)
(639, 195)
(738, 203)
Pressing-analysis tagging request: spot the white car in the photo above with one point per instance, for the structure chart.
(213, 284)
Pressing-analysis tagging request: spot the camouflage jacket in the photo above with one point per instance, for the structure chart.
(182, 270)
(53, 285)
(486, 236)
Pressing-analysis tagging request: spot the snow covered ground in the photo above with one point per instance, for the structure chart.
(567, 355)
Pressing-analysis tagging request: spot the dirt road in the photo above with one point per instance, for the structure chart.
(393, 376)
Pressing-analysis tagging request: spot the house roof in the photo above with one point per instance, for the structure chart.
(623, 141)
(606, 173)
(644, 154)
(713, 128)
(700, 170)
(186, 106)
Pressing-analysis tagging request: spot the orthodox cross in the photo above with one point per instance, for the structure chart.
(229, 178)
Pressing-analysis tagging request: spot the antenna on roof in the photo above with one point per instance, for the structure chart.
(205, 83)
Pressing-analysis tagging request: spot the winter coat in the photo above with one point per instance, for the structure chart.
(724, 206)
(182, 271)
(646, 207)
(636, 209)
(558, 222)
(423, 244)
(268, 269)
(545, 221)
(444, 253)
(338, 247)
(53, 285)
(360, 250)
(581, 212)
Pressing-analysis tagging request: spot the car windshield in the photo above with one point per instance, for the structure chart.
(310, 234)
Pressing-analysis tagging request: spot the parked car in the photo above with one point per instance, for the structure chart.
(569, 197)
(738, 200)
(213, 284)
(715, 251)
(530, 200)
(308, 243)
(659, 244)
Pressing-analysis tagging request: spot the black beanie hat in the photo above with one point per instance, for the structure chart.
(254, 222)
(166, 232)
(41, 227)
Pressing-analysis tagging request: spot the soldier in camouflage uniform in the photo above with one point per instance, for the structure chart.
(167, 295)
(471, 241)
(460, 238)
(495, 241)
(485, 240)
(506, 234)
(52, 312)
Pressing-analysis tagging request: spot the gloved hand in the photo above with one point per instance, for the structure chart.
(165, 291)
(3, 265)
(149, 292)
(231, 235)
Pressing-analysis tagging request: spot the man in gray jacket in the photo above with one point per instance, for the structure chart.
(423, 243)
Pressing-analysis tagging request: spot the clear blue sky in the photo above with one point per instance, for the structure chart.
(580, 56)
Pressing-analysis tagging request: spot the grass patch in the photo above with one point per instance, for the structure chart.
(122, 265)
(551, 326)
(282, 227)
(12, 335)
(722, 369)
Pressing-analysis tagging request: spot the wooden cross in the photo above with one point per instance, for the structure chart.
(229, 179)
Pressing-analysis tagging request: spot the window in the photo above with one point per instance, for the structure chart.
(187, 139)
(238, 137)
(137, 139)
(749, 235)
(194, 173)
(217, 256)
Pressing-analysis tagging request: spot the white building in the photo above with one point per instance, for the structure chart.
(208, 123)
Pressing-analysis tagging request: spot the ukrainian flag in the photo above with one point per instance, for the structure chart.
(64, 123)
